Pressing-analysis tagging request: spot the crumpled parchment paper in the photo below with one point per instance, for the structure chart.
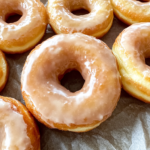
(127, 129)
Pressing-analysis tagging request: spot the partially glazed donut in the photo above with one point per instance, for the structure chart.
(54, 105)
(3, 71)
(18, 130)
(22, 35)
(131, 48)
(132, 11)
(96, 23)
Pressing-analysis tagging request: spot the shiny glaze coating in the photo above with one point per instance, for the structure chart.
(18, 130)
(3, 71)
(54, 105)
(96, 23)
(131, 48)
(132, 11)
(22, 35)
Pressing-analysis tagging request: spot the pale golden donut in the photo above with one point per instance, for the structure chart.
(54, 105)
(96, 23)
(131, 48)
(132, 11)
(22, 35)
(3, 71)
(18, 130)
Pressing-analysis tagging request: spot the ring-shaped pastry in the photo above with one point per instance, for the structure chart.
(131, 48)
(24, 34)
(18, 130)
(132, 11)
(54, 105)
(3, 71)
(96, 23)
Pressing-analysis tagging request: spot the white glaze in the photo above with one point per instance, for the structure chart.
(131, 48)
(135, 43)
(133, 2)
(13, 130)
(97, 98)
(132, 11)
(61, 17)
(16, 35)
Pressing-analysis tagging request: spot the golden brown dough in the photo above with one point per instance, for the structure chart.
(54, 105)
(24, 34)
(97, 23)
(3, 71)
(131, 48)
(17, 126)
(132, 11)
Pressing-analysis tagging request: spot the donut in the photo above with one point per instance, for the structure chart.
(18, 130)
(132, 11)
(25, 33)
(131, 48)
(3, 71)
(54, 105)
(96, 23)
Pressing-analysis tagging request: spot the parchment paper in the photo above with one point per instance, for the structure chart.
(127, 129)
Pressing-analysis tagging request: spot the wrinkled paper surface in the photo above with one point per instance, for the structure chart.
(127, 129)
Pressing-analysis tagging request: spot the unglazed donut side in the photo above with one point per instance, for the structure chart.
(72, 124)
(32, 129)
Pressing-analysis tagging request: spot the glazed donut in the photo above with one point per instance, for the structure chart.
(131, 48)
(3, 71)
(96, 23)
(54, 105)
(132, 11)
(24, 34)
(18, 130)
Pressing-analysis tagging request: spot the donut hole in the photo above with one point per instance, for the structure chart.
(80, 12)
(79, 7)
(72, 80)
(147, 61)
(143, 0)
(13, 17)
